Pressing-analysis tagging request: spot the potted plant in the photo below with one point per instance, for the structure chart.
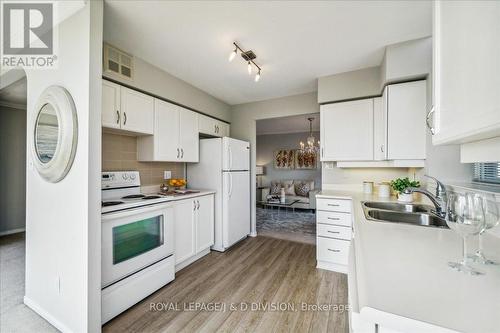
(400, 184)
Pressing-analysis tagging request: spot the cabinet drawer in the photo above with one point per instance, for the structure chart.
(332, 250)
(336, 218)
(334, 205)
(334, 231)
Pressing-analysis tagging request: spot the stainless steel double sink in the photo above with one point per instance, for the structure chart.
(420, 215)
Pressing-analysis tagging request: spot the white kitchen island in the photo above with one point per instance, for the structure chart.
(399, 280)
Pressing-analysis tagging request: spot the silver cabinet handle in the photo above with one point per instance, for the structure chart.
(382, 148)
(333, 205)
(198, 205)
(333, 232)
(124, 118)
(334, 218)
(194, 205)
(117, 116)
(333, 250)
(182, 152)
(178, 152)
(427, 120)
(322, 150)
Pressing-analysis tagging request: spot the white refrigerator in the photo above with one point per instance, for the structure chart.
(224, 166)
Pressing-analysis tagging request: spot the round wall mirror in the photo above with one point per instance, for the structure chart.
(46, 133)
(55, 134)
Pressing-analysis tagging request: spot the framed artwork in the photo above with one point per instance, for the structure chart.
(304, 161)
(284, 159)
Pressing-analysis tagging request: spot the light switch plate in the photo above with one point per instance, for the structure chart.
(167, 174)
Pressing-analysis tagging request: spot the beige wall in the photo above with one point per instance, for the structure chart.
(158, 82)
(350, 85)
(12, 169)
(119, 153)
(410, 60)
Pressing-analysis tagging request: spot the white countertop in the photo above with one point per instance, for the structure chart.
(402, 269)
(129, 204)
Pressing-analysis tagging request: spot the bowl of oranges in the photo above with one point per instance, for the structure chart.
(177, 183)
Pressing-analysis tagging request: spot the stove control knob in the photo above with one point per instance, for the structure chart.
(132, 176)
(124, 176)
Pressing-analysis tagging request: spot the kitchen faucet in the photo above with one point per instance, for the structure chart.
(439, 199)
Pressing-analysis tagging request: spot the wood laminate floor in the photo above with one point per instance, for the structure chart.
(259, 272)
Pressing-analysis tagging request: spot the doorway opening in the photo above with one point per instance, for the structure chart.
(288, 176)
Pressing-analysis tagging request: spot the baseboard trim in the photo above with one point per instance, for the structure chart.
(332, 266)
(45, 315)
(13, 231)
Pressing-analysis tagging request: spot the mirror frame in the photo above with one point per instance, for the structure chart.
(58, 167)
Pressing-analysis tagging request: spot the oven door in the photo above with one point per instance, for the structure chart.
(135, 239)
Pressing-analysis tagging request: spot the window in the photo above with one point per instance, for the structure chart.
(487, 172)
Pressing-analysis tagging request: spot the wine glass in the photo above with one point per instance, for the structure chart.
(465, 215)
(491, 220)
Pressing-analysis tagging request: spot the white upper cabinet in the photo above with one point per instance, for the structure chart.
(137, 111)
(175, 136)
(466, 70)
(212, 127)
(406, 108)
(189, 135)
(110, 116)
(126, 109)
(387, 128)
(347, 131)
(379, 129)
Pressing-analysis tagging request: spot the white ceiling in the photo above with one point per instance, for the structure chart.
(15, 93)
(292, 124)
(295, 41)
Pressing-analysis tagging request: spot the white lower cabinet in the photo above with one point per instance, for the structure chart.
(194, 229)
(333, 233)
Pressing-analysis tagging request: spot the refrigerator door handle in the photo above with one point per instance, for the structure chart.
(230, 152)
(230, 184)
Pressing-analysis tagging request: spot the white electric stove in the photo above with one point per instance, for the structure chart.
(137, 256)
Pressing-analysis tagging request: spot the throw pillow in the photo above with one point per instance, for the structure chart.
(289, 188)
(275, 188)
(302, 189)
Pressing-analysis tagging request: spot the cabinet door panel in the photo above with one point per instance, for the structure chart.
(347, 131)
(204, 223)
(166, 131)
(380, 128)
(466, 64)
(207, 125)
(137, 111)
(189, 137)
(223, 129)
(406, 132)
(110, 116)
(184, 230)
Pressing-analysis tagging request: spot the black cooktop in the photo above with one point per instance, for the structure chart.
(110, 203)
(133, 196)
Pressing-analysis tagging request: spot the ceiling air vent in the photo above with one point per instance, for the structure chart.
(118, 62)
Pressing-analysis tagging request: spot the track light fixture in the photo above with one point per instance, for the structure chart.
(249, 57)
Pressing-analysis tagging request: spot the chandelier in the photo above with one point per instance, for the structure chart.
(311, 147)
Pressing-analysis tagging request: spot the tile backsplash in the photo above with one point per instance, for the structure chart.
(119, 153)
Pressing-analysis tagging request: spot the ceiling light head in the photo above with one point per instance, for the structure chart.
(233, 54)
(257, 76)
(249, 67)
